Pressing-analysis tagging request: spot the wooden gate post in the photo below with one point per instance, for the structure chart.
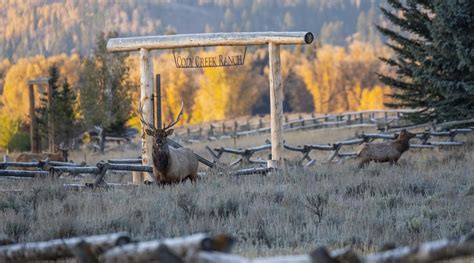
(51, 142)
(157, 101)
(276, 106)
(34, 138)
(146, 95)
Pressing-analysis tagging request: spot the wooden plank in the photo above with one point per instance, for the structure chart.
(60, 248)
(209, 39)
(276, 106)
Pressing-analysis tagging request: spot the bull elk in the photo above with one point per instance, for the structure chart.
(170, 165)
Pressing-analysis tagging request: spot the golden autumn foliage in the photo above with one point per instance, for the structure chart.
(4, 67)
(337, 79)
(344, 79)
(225, 92)
(15, 92)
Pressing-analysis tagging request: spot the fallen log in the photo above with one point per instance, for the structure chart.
(181, 247)
(60, 248)
(428, 252)
(319, 255)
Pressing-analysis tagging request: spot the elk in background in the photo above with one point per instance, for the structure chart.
(60, 155)
(384, 151)
(170, 165)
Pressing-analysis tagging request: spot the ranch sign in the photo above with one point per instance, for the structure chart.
(209, 62)
(273, 40)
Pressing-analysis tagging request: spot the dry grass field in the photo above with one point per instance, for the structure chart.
(429, 196)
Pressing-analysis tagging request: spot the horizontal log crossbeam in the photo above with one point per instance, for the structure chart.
(209, 39)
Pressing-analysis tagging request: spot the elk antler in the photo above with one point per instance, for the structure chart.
(177, 119)
(142, 119)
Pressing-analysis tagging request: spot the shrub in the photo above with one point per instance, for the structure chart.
(10, 127)
(20, 142)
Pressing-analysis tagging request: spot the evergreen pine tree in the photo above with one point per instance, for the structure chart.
(105, 100)
(433, 62)
(450, 69)
(63, 114)
(61, 111)
(43, 111)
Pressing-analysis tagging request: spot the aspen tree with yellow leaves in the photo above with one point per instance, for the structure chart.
(15, 91)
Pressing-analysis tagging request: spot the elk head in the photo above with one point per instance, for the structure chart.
(159, 134)
(64, 150)
(406, 135)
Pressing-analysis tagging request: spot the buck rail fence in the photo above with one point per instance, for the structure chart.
(119, 247)
(51, 168)
(245, 155)
(256, 125)
(46, 168)
(54, 169)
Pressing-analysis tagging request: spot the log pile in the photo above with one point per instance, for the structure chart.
(118, 247)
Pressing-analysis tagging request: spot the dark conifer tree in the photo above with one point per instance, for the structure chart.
(433, 63)
(61, 111)
(105, 100)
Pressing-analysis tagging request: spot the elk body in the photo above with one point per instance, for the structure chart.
(384, 151)
(61, 156)
(170, 165)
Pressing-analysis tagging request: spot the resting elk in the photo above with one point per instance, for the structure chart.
(170, 165)
(61, 155)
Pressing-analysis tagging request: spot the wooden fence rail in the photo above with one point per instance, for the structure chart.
(245, 155)
(200, 247)
(46, 168)
(226, 129)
